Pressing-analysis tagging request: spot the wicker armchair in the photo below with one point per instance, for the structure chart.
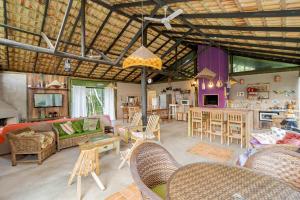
(280, 161)
(151, 165)
(29, 145)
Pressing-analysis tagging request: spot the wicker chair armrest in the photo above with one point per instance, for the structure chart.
(25, 144)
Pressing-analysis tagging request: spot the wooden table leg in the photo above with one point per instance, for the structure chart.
(97, 180)
(79, 187)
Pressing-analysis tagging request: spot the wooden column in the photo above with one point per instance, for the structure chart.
(144, 84)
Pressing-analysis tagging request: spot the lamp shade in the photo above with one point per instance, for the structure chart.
(206, 73)
(142, 57)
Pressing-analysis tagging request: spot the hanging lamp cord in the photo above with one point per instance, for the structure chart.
(142, 24)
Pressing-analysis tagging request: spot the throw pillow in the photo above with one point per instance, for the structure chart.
(67, 127)
(61, 132)
(90, 124)
(77, 126)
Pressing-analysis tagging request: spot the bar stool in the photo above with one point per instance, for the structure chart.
(206, 122)
(197, 123)
(236, 128)
(217, 125)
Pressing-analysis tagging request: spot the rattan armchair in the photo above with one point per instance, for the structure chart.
(280, 161)
(151, 165)
(29, 145)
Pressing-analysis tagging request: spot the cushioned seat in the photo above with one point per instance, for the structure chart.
(160, 190)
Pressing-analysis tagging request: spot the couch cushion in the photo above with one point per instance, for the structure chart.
(67, 128)
(66, 136)
(90, 124)
(78, 126)
(160, 190)
(46, 138)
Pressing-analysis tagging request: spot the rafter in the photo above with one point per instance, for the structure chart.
(6, 31)
(146, 3)
(237, 28)
(42, 29)
(94, 39)
(243, 37)
(257, 14)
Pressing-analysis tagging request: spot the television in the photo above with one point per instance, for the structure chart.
(210, 100)
(47, 100)
(185, 102)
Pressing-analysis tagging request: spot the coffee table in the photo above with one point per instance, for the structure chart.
(103, 143)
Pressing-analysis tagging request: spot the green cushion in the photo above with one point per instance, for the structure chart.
(80, 134)
(160, 190)
(77, 126)
(59, 129)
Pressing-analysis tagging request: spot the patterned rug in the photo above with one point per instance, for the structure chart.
(131, 192)
(212, 152)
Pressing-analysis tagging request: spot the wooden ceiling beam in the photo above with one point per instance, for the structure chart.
(42, 30)
(145, 3)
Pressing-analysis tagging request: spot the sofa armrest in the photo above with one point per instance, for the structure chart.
(25, 144)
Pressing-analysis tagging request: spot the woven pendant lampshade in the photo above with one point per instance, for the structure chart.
(206, 73)
(143, 57)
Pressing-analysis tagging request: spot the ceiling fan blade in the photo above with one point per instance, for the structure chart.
(168, 25)
(175, 14)
(152, 19)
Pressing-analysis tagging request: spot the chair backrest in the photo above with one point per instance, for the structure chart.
(131, 111)
(196, 114)
(152, 125)
(88, 161)
(136, 119)
(235, 118)
(280, 162)
(151, 165)
(217, 116)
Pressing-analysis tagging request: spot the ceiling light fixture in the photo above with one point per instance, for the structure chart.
(143, 57)
(67, 65)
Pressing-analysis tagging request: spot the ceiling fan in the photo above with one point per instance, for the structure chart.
(166, 20)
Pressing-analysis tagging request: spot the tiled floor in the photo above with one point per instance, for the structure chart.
(49, 180)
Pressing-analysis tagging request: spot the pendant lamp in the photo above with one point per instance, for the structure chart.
(203, 85)
(219, 83)
(210, 84)
(142, 57)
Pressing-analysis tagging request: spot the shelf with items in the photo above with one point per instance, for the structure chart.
(38, 88)
(258, 91)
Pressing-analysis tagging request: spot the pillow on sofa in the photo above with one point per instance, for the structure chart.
(67, 128)
(77, 126)
(90, 124)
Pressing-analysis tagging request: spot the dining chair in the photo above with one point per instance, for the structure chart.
(87, 163)
(197, 124)
(217, 125)
(205, 122)
(235, 128)
(280, 161)
(151, 131)
(151, 166)
(131, 111)
(125, 131)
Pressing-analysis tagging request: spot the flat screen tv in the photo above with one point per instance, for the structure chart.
(211, 100)
(47, 100)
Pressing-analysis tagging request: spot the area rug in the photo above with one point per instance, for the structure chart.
(212, 152)
(131, 192)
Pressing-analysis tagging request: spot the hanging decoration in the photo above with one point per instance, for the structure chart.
(203, 85)
(210, 84)
(219, 83)
(142, 57)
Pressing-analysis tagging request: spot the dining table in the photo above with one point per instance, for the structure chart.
(212, 181)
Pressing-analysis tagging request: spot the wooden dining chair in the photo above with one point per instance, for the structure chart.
(197, 123)
(125, 131)
(87, 163)
(141, 136)
(131, 111)
(235, 128)
(217, 125)
(205, 122)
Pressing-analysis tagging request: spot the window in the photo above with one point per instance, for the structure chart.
(244, 64)
(94, 101)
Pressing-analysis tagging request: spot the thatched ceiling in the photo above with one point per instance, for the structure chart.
(269, 28)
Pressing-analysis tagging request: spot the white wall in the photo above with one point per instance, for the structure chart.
(124, 90)
(289, 81)
(14, 92)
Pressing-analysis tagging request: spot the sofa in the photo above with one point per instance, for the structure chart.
(79, 133)
(38, 140)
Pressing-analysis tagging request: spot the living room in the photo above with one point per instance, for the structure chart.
(149, 99)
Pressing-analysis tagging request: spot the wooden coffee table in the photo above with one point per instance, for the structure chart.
(103, 143)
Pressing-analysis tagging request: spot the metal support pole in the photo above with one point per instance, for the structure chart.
(83, 28)
(144, 84)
